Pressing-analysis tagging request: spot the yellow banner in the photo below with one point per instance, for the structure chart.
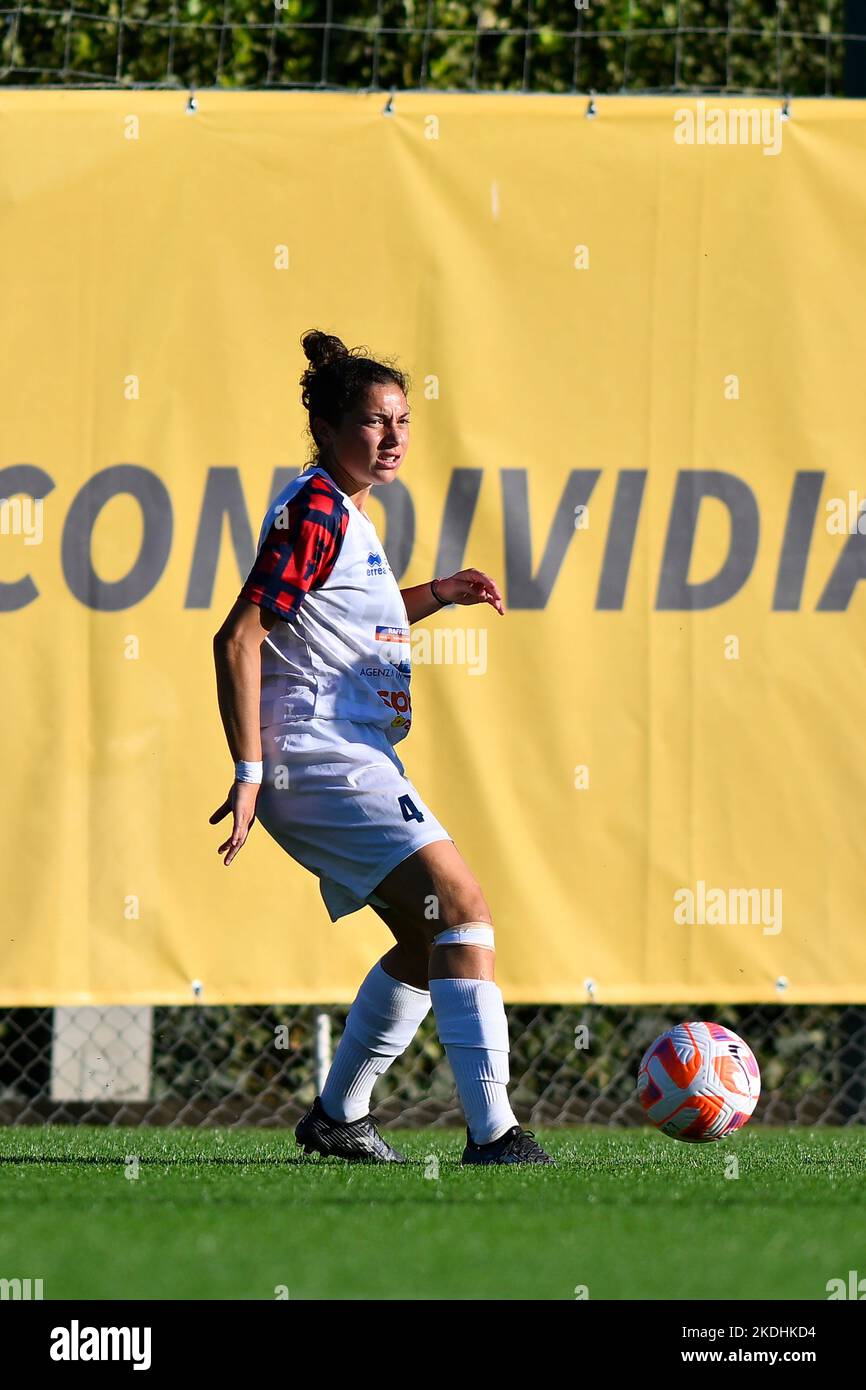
(636, 340)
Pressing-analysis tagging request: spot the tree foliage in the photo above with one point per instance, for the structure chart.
(784, 46)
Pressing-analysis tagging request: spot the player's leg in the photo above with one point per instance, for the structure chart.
(434, 892)
(391, 1003)
(431, 891)
(409, 959)
(389, 1007)
(338, 837)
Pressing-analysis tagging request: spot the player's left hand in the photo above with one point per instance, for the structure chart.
(471, 586)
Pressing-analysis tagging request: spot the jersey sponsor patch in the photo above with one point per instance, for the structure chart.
(392, 636)
(399, 700)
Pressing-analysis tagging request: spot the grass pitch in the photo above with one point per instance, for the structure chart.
(239, 1213)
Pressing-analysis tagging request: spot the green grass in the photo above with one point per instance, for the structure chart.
(235, 1213)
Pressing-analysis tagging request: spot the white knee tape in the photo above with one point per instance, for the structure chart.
(468, 934)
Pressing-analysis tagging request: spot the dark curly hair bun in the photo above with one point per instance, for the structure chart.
(321, 349)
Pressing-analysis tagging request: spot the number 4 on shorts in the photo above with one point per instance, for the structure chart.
(409, 809)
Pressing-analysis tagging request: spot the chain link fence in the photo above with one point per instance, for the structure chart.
(784, 47)
(259, 1065)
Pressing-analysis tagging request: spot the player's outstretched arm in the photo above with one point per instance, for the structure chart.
(467, 586)
(237, 658)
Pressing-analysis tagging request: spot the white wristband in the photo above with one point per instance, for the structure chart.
(248, 772)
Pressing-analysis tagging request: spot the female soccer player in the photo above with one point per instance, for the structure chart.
(313, 677)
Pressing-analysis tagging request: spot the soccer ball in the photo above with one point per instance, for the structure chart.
(698, 1082)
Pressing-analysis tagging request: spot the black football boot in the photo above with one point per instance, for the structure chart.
(358, 1141)
(516, 1145)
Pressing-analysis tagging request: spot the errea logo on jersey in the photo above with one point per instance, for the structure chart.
(376, 564)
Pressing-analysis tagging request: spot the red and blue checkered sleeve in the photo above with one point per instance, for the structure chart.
(299, 551)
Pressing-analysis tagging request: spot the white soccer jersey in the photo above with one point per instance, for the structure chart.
(342, 647)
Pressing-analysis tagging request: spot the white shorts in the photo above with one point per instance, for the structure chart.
(335, 796)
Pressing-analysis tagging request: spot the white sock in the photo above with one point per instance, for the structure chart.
(380, 1026)
(473, 1029)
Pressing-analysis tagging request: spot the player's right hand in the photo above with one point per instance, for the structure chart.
(241, 801)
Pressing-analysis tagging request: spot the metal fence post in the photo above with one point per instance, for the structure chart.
(323, 1050)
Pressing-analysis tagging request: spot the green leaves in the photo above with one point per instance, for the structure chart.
(612, 46)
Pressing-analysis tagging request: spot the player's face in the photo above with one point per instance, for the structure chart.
(373, 438)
